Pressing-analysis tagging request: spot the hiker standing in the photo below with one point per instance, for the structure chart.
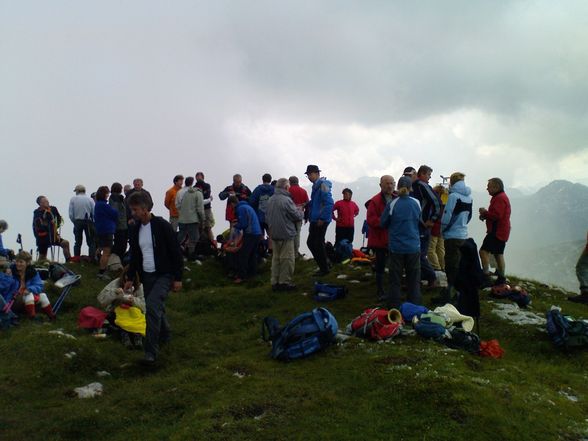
(282, 215)
(247, 223)
(436, 252)
(238, 189)
(454, 226)
(582, 274)
(170, 201)
(46, 224)
(137, 188)
(402, 216)
(411, 173)
(156, 255)
(208, 223)
(191, 215)
(300, 199)
(259, 199)
(106, 220)
(121, 234)
(497, 218)
(378, 235)
(430, 212)
(81, 209)
(346, 211)
(320, 215)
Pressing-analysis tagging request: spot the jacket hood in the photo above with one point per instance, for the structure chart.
(461, 188)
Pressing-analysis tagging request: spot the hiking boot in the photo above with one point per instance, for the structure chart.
(137, 341)
(126, 340)
(148, 360)
(321, 272)
(582, 298)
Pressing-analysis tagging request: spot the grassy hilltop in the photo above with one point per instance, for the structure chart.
(217, 381)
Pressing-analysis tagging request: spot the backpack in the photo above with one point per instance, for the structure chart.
(376, 324)
(325, 292)
(57, 271)
(564, 331)
(461, 339)
(304, 335)
(263, 201)
(343, 250)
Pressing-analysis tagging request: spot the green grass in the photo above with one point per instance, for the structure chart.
(217, 382)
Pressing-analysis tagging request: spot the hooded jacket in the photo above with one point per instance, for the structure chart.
(189, 203)
(259, 199)
(117, 201)
(321, 201)
(458, 212)
(281, 215)
(401, 217)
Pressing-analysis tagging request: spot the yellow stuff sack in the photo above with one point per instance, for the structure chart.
(130, 319)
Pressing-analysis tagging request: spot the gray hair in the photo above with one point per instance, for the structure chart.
(282, 183)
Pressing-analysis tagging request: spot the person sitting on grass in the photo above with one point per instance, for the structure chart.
(113, 295)
(30, 286)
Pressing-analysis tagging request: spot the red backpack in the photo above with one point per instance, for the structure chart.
(377, 324)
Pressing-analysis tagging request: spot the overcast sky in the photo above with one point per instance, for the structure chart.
(96, 92)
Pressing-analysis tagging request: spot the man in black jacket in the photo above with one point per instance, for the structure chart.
(208, 216)
(430, 212)
(156, 255)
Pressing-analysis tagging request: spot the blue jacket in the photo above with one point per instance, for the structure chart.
(8, 287)
(247, 220)
(33, 281)
(3, 251)
(258, 199)
(458, 212)
(105, 218)
(402, 216)
(321, 201)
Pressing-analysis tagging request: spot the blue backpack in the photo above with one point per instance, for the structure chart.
(304, 335)
(564, 331)
(325, 292)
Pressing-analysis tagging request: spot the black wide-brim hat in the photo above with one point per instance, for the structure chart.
(312, 169)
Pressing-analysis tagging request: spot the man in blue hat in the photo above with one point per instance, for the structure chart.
(320, 215)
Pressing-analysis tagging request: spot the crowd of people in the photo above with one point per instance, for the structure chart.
(413, 229)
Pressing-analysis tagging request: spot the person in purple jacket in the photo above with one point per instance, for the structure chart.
(105, 220)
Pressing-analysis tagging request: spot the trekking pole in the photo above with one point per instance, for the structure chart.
(59, 247)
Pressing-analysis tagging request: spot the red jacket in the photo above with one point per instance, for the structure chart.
(377, 236)
(346, 212)
(498, 216)
(299, 195)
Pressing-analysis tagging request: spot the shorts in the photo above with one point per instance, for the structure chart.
(43, 244)
(105, 240)
(208, 219)
(492, 244)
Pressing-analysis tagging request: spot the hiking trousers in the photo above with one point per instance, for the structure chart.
(81, 227)
(582, 272)
(380, 269)
(427, 271)
(436, 253)
(316, 244)
(156, 288)
(247, 256)
(452, 258)
(411, 265)
(283, 261)
(344, 233)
